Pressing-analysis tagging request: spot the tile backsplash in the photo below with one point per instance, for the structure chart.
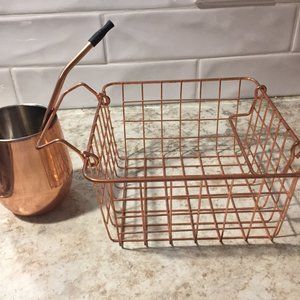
(160, 39)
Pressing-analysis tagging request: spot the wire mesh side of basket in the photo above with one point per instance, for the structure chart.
(208, 159)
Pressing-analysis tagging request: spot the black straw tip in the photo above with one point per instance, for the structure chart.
(100, 34)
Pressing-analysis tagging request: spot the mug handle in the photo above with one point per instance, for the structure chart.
(83, 154)
(56, 98)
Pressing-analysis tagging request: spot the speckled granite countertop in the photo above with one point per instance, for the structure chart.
(66, 254)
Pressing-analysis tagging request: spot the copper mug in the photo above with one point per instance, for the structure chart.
(35, 166)
(31, 181)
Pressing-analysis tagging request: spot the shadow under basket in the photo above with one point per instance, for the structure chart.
(203, 159)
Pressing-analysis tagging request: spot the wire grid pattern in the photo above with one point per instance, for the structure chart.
(192, 160)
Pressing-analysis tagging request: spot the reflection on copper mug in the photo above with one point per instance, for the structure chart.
(31, 181)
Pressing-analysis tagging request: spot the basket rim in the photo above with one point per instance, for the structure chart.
(162, 178)
(249, 78)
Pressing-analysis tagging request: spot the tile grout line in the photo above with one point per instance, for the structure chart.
(294, 30)
(97, 11)
(209, 57)
(101, 17)
(16, 93)
(196, 76)
(154, 61)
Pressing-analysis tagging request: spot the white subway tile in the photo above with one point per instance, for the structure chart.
(47, 39)
(38, 6)
(189, 33)
(296, 44)
(279, 72)
(7, 92)
(36, 84)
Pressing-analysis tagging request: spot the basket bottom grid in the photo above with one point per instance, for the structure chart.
(174, 211)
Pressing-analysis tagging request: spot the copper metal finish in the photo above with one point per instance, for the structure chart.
(227, 169)
(32, 182)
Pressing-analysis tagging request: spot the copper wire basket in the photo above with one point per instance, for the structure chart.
(204, 159)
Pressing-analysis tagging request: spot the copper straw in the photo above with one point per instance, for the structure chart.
(93, 41)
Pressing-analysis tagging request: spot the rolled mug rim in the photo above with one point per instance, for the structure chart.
(36, 131)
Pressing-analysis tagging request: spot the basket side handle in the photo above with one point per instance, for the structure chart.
(83, 154)
(293, 156)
